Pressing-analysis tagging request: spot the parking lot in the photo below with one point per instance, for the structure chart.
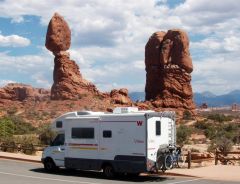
(18, 172)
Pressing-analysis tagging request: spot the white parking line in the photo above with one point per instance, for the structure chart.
(185, 181)
(51, 179)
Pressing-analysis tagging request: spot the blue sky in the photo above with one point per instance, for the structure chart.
(108, 40)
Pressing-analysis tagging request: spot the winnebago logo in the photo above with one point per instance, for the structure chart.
(139, 123)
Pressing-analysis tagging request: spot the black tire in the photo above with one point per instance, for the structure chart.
(168, 162)
(49, 165)
(108, 171)
(160, 162)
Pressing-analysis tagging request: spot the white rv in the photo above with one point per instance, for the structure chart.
(125, 141)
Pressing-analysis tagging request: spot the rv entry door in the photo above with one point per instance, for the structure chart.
(58, 149)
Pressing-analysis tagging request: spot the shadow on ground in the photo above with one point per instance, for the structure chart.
(99, 175)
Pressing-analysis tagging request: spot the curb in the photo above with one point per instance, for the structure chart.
(177, 174)
(20, 159)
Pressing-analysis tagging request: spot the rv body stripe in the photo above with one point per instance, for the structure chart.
(84, 148)
(151, 148)
(75, 144)
(118, 121)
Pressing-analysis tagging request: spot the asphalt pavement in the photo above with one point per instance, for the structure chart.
(18, 172)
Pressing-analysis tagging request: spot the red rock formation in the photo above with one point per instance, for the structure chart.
(68, 82)
(58, 34)
(168, 66)
(21, 92)
(120, 96)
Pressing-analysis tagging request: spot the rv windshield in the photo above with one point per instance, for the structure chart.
(59, 140)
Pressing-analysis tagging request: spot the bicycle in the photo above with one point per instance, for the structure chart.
(179, 159)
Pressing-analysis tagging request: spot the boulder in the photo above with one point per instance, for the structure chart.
(120, 96)
(58, 36)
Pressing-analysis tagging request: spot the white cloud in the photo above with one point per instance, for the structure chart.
(5, 82)
(218, 74)
(18, 19)
(14, 41)
(108, 39)
(29, 69)
(40, 80)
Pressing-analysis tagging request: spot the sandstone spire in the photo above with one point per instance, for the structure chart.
(68, 81)
(168, 67)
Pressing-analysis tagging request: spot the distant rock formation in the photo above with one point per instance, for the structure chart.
(168, 67)
(21, 92)
(120, 96)
(68, 81)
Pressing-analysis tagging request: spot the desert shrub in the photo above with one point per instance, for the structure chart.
(222, 143)
(46, 134)
(26, 139)
(183, 134)
(27, 142)
(219, 117)
(202, 125)
(187, 115)
(12, 110)
(210, 132)
(21, 126)
(6, 127)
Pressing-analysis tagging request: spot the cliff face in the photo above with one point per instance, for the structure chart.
(21, 92)
(168, 68)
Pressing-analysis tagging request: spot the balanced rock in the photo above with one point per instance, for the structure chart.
(68, 81)
(58, 36)
(168, 67)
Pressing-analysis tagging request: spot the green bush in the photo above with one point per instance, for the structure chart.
(187, 115)
(202, 125)
(6, 127)
(219, 117)
(27, 142)
(46, 134)
(21, 127)
(221, 143)
(183, 134)
(211, 132)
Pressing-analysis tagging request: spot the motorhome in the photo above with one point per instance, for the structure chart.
(125, 141)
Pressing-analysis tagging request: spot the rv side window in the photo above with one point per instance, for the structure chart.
(59, 124)
(107, 133)
(82, 133)
(158, 127)
(59, 140)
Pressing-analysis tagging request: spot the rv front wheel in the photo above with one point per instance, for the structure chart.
(49, 165)
(108, 171)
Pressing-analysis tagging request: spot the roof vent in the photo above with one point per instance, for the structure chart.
(80, 113)
(121, 110)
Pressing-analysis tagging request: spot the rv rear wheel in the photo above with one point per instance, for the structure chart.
(49, 165)
(108, 171)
